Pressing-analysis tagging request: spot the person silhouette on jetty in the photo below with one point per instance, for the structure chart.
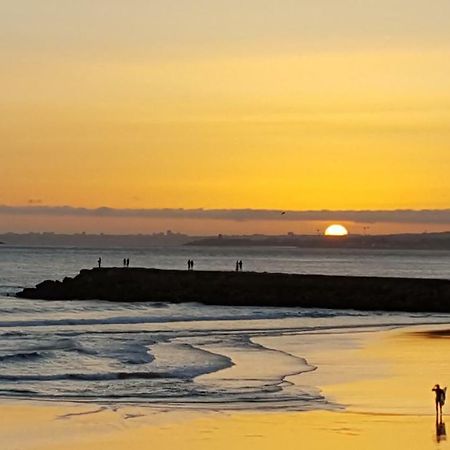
(440, 398)
(124, 262)
(240, 265)
(99, 261)
(128, 262)
(237, 266)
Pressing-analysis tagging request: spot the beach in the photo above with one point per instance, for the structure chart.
(85, 375)
(224, 225)
(382, 389)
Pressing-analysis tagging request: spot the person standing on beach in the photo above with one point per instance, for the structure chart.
(124, 262)
(240, 265)
(128, 262)
(99, 261)
(440, 398)
(237, 266)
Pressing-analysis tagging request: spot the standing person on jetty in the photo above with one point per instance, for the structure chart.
(99, 261)
(440, 398)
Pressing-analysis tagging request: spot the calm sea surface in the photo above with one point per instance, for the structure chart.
(189, 354)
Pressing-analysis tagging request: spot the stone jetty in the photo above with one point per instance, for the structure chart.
(248, 288)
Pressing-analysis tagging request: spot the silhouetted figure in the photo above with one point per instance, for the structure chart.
(189, 264)
(128, 262)
(240, 265)
(124, 262)
(440, 399)
(192, 264)
(441, 433)
(99, 261)
(237, 266)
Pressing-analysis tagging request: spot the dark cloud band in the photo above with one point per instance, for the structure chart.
(430, 216)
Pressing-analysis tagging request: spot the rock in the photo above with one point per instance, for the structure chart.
(249, 288)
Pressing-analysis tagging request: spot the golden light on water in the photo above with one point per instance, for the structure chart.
(336, 230)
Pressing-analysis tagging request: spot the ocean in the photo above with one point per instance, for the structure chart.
(185, 355)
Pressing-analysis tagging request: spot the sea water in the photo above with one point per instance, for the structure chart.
(182, 354)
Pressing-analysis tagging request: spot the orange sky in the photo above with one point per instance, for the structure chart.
(290, 105)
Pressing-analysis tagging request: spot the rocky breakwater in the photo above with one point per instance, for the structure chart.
(248, 288)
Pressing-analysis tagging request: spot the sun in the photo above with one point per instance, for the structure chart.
(336, 230)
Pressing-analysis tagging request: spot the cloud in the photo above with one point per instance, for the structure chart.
(425, 216)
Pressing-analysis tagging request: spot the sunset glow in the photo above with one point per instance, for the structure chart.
(304, 105)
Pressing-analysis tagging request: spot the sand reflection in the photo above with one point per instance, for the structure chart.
(441, 433)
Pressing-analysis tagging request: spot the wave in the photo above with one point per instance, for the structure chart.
(66, 344)
(17, 357)
(132, 350)
(136, 356)
(223, 316)
(18, 392)
(12, 334)
(108, 376)
(125, 320)
(299, 401)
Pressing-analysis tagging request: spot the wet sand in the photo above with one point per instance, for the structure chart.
(385, 385)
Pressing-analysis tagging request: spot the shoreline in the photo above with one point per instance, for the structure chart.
(249, 289)
(375, 416)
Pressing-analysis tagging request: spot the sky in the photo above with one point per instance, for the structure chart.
(294, 105)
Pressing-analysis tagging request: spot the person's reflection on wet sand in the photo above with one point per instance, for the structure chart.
(441, 433)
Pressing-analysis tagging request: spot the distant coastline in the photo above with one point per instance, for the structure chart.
(249, 288)
(423, 241)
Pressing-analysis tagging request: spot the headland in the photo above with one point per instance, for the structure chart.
(248, 288)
